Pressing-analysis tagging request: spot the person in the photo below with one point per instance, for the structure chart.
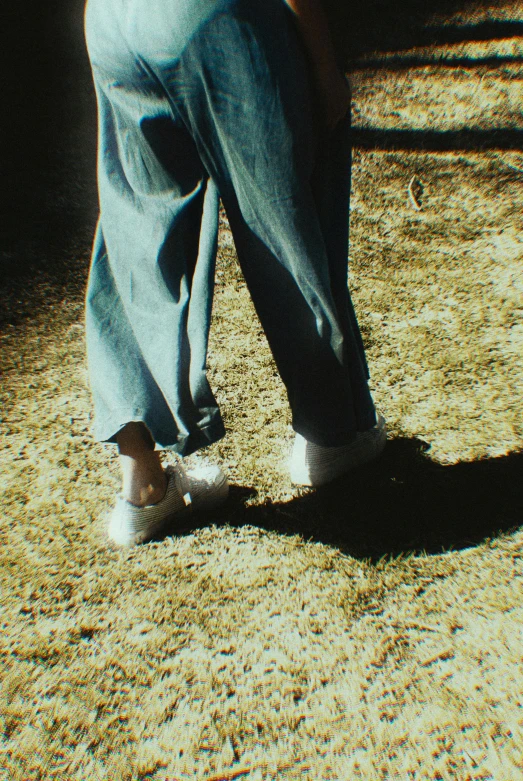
(202, 100)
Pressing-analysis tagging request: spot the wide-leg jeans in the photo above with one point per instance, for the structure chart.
(200, 100)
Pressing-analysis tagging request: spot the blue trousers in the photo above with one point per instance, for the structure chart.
(200, 100)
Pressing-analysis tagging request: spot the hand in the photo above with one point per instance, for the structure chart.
(334, 96)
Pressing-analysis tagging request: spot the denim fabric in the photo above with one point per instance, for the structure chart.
(202, 99)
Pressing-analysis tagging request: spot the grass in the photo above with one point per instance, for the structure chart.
(371, 629)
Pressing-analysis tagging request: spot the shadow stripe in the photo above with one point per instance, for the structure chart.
(405, 63)
(483, 31)
(438, 141)
(388, 31)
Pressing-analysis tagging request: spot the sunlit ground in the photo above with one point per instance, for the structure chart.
(369, 630)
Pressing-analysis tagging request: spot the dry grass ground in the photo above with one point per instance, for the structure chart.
(369, 630)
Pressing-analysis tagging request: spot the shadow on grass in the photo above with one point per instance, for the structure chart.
(466, 139)
(49, 209)
(401, 62)
(390, 25)
(402, 503)
(396, 31)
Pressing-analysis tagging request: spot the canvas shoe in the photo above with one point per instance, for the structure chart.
(315, 465)
(195, 488)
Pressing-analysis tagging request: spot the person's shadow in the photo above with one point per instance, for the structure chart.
(402, 503)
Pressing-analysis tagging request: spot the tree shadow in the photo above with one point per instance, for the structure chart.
(466, 139)
(392, 25)
(402, 61)
(402, 503)
(402, 32)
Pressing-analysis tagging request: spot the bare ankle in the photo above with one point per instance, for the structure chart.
(145, 494)
(144, 480)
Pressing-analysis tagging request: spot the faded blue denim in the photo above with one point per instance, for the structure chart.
(202, 99)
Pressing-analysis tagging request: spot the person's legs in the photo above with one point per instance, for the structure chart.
(150, 288)
(311, 463)
(248, 106)
(231, 110)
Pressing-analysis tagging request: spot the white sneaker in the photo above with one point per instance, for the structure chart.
(315, 465)
(199, 487)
